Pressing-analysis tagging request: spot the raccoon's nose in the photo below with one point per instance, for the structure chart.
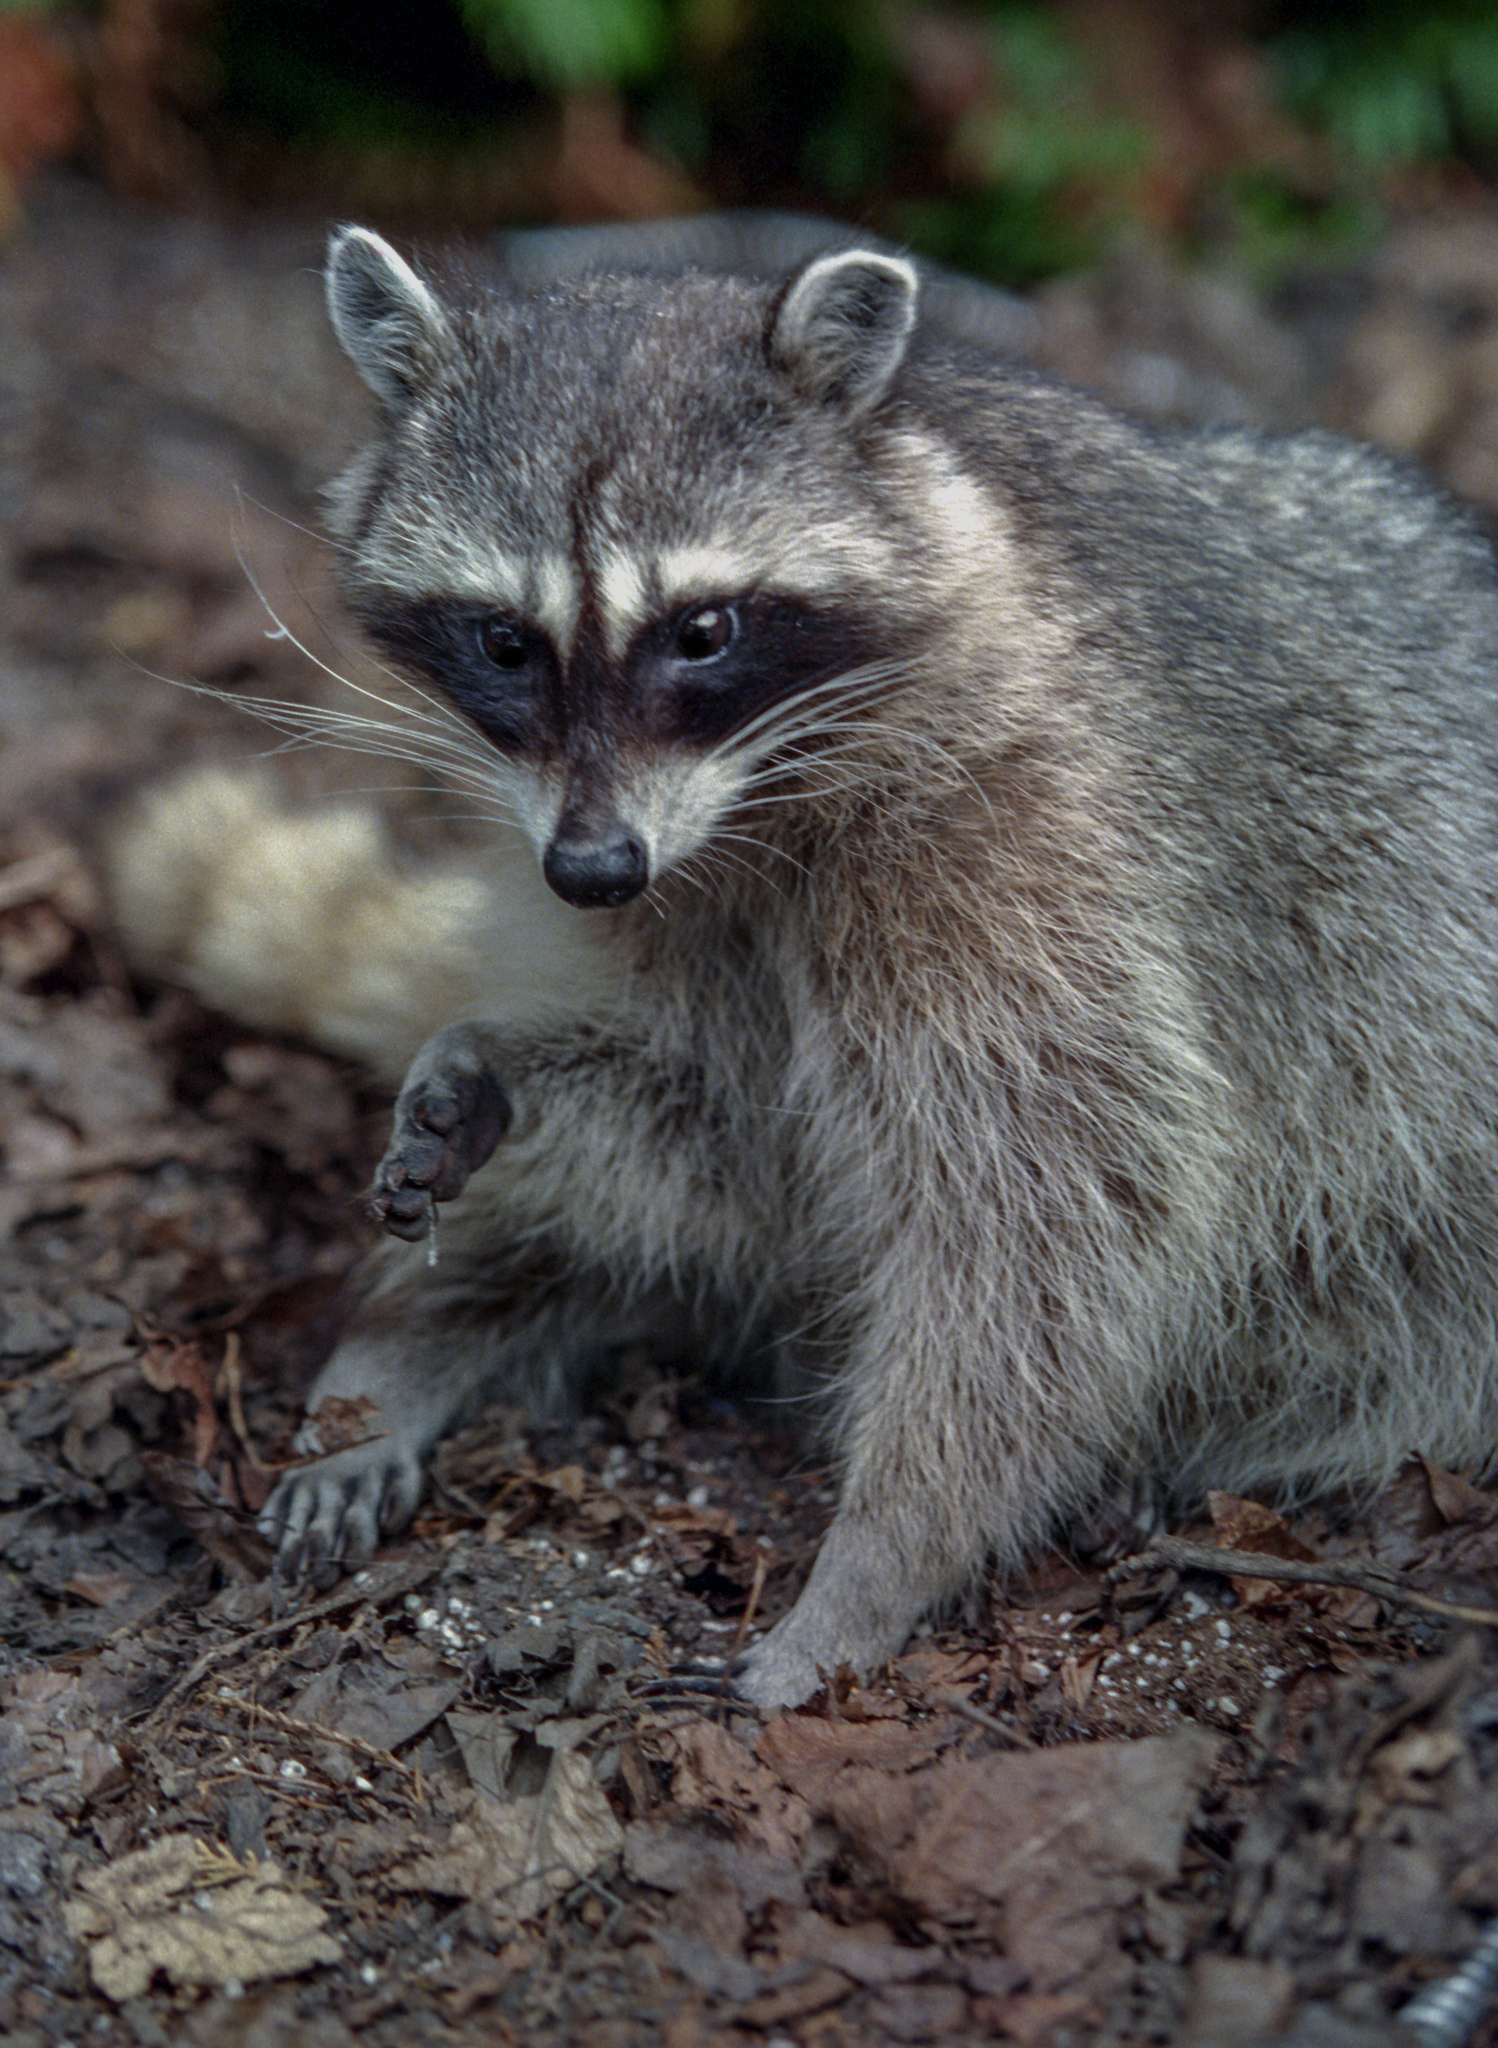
(597, 874)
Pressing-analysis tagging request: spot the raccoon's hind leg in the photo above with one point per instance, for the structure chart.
(451, 1113)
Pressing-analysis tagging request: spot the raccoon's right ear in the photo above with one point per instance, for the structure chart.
(840, 329)
(391, 325)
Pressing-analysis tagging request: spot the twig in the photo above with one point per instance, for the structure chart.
(358, 1591)
(956, 1704)
(230, 1379)
(1175, 1553)
(291, 1724)
(725, 1697)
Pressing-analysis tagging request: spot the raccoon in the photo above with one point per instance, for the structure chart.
(1000, 917)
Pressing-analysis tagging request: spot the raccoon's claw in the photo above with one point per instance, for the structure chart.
(328, 1517)
(449, 1117)
(692, 1681)
(776, 1673)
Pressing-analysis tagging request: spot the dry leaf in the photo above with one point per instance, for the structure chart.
(808, 1753)
(1456, 1498)
(225, 1532)
(1248, 1525)
(716, 1776)
(523, 1853)
(176, 1367)
(192, 1910)
(1063, 1842)
(100, 1589)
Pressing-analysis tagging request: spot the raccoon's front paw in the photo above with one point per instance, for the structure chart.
(801, 1654)
(866, 1592)
(449, 1117)
(327, 1517)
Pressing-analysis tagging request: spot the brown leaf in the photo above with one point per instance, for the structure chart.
(1457, 1499)
(100, 1589)
(688, 1859)
(712, 1774)
(229, 1537)
(1248, 1525)
(808, 1753)
(1063, 1842)
(522, 1853)
(176, 1367)
(371, 1707)
(341, 1422)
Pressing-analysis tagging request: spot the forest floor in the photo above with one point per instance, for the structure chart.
(454, 1800)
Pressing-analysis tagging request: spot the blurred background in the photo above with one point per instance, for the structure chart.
(1268, 211)
(1016, 138)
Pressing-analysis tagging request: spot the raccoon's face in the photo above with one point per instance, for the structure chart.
(627, 529)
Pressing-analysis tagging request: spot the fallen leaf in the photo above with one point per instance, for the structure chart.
(225, 1532)
(808, 1753)
(176, 1367)
(1456, 1498)
(1063, 1842)
(341, 1422)
(715, 1776)
(525, 1852)
(192, 1910)
(100, 1589)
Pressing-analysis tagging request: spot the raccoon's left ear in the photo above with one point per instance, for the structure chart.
(841, 328)
(391, 325)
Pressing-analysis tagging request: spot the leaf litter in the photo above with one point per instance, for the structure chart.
(456, 1798)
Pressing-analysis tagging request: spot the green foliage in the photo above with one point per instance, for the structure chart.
(1014, 236)
(1048, 161)
(1272, 226)
(1053, 127)
(1395, 81)
(986, 132)
(568, 43)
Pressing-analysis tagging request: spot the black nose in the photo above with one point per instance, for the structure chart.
(596, 874)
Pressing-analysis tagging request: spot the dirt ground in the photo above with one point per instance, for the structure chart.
(458, 1799)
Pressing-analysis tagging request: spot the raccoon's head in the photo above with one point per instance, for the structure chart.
(636, 530)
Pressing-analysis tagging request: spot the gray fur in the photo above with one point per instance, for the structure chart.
(386, 319)
(1067, 1023)
(841, 330)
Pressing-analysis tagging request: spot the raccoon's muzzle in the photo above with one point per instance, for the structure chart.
(597, 873)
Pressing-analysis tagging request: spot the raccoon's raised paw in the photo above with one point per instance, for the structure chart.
(327, 1517)
(449, 1117)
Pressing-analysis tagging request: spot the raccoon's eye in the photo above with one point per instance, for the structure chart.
(704, 634)
(502, 645)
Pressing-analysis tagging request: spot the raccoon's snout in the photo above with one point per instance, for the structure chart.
(597, 874)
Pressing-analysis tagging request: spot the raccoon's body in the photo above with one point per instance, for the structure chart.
(1022, 933)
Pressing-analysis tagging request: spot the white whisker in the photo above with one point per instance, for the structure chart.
(772, 725)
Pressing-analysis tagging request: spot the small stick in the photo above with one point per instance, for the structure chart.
(1177, 1554)
(231, 1380)
(291, 1724)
